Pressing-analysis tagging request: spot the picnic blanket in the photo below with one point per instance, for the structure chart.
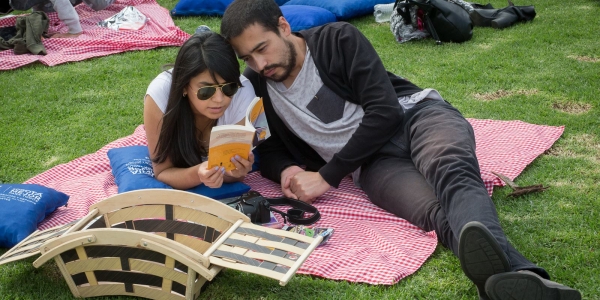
(369, 244)
(98, 41)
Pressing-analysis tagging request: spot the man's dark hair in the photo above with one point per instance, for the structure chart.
(242, 13)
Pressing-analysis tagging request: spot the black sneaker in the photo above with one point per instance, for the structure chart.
(480, 255)
(526, 285)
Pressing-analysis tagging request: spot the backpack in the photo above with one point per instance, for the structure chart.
(446, 21)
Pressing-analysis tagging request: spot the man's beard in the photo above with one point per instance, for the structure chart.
(288, 67)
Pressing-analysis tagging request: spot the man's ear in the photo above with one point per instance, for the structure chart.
(284, 27)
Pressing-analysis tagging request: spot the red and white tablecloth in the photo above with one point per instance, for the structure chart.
(369, 244)
(99, 41)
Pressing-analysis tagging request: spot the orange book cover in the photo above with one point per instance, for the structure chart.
(226, 141)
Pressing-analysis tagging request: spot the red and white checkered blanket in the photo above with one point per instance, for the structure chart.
(369, 244)
(99, 41)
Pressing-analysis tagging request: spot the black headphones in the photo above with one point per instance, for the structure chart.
(258, 208)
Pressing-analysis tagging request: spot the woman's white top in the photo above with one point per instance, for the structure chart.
(236, 111)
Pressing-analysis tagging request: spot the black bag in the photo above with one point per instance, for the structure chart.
(258, 208)
(446, 21)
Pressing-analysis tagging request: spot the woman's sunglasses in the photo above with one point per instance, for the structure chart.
(228, 89)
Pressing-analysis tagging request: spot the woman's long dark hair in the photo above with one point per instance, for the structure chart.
(179, 139)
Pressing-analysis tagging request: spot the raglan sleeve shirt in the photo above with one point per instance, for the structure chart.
(348, 65)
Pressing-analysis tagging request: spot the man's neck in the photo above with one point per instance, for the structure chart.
(300, 46)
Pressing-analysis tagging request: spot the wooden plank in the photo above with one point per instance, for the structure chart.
(159, 270)
(119, 289)
(83, 221)
(300, 261)
(198, 285)
(29, 246)
(194, 243)
(43, 236)
(91, 278)
(167, 283)
(236, 250)
(136, 213)
(91, 264)
(171, 197)
(282, 246)
(18, 256)
(257, 255)
(172, 251)
(200, 217)
(130, 238)
(247, 238)
(246, 268)
(191, 279)
(67, 244)
(223, 237)
(63, 270)
(279, 232)
(163, 234)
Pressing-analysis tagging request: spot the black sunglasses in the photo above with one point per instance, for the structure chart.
(228, 89)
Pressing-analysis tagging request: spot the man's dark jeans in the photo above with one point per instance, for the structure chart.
(429, 175)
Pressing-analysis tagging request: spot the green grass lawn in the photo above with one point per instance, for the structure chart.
(543, 72)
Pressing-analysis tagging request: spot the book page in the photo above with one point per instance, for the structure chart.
(255, 117)
(227, 141)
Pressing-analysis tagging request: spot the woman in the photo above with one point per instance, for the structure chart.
(181, 106)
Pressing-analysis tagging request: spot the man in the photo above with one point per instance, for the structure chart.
(333, 107)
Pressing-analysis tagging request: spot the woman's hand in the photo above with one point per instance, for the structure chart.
(242, 167)
(212, 178)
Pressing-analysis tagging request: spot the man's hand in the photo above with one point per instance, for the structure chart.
(286, 176)
(307, 186)
(65, 35)
(212, 178)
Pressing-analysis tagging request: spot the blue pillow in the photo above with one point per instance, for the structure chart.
(22, 207)
(343, 9)
(205, 7)
(200, 7)
(132, 169)
(303, 17)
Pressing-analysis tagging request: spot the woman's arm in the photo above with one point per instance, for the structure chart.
(179, 178)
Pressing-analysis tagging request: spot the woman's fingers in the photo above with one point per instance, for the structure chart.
(211, 177)
(242, 166)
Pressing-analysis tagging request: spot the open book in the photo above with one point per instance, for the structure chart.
(226, 141)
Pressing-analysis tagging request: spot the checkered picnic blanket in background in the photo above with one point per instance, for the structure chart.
(99, 41)
(369, 244)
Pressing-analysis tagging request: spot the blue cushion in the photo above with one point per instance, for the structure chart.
(231, 189)
(22, 207)
(343, 9)
(303, 17)
(205, 7)
(132, 169)
(200, 7)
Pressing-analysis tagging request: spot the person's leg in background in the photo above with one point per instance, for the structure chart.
(98, 4)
